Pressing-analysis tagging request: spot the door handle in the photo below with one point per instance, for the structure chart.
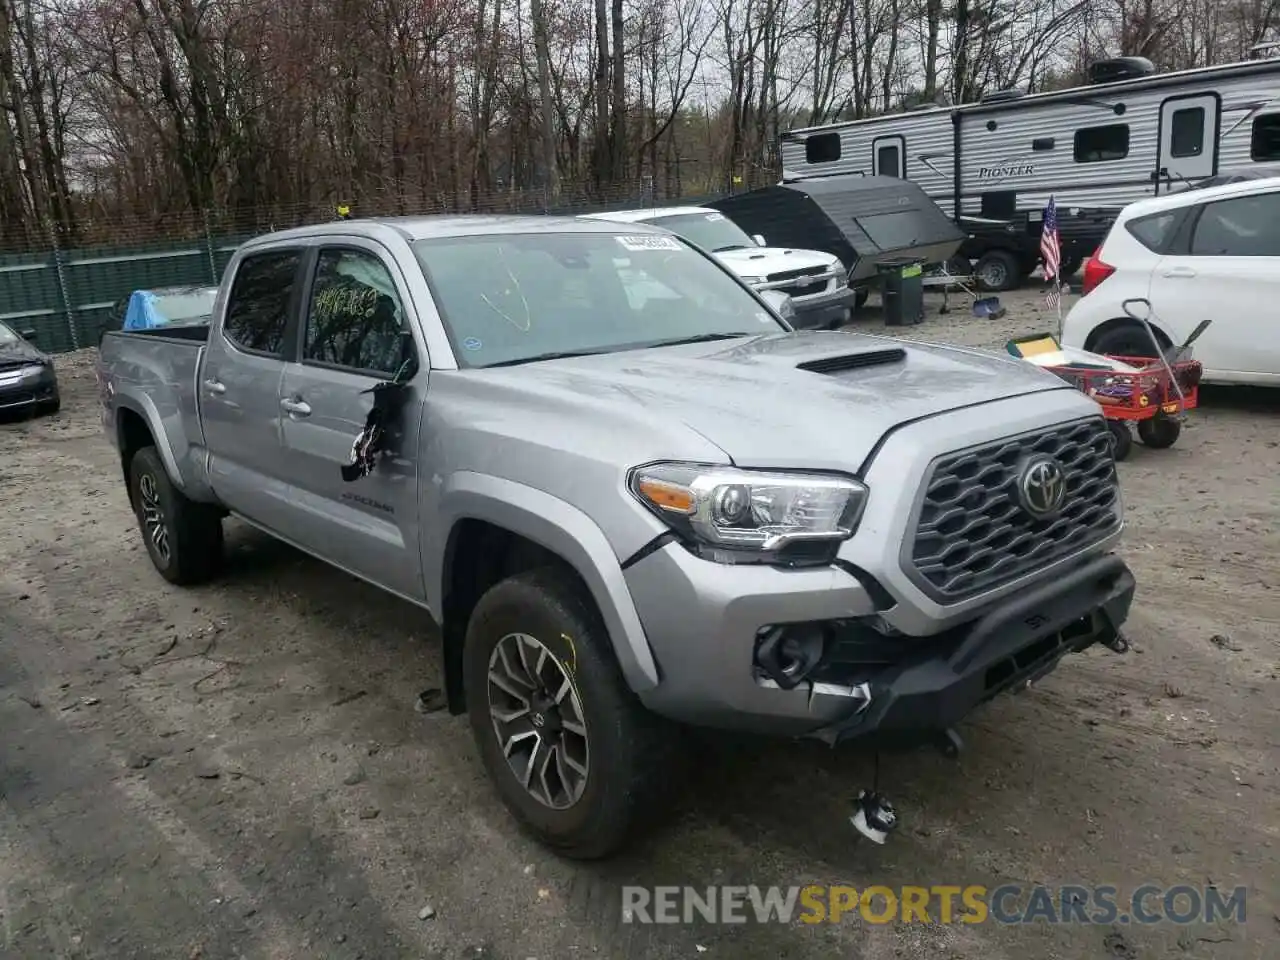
(215, 386)
(296, 408)
(1177, 273)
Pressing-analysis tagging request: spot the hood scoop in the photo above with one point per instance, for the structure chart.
(853, 361)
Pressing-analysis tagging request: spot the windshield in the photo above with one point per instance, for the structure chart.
(7, 336)
(186, 306)
(711, 230)
(511, 298)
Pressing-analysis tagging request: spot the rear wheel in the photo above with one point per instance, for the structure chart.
(997, 270)
(1121, 439)
(1071, 267)
(1160, 432)
(575, 757)
(1124, 340)
(183, 538)
(860, 297)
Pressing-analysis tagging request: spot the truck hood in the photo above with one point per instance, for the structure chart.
(762, 261)
(808, 400)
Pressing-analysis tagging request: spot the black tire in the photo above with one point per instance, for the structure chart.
(1071, 267)
(860, 297)
(52, 407)
(1124, 340)
(628, 749)
(1121, 439)
(997, 271)
(959, 266)
(182, 537)
(1160, 432)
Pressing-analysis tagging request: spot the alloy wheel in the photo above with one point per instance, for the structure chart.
(538, 720)
(153, 522)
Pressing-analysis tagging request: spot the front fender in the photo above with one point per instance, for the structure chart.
(559, 527)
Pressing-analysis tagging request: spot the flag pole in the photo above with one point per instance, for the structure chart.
(1058, 302)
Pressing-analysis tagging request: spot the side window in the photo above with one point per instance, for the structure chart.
(1154, 231)
(1241, 227)
(1186, 132)
(889, 159)
(258, 305)
(1264, 143)
(355, 318)
(1096, 144)
(822, 148)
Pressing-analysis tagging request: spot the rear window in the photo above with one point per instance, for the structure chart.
(1155, 230)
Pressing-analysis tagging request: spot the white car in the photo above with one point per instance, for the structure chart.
(1202, 254)
(817, 282)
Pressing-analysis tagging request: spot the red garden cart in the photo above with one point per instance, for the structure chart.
(1153, 393)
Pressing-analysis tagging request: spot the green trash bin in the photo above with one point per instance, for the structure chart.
(901, 290)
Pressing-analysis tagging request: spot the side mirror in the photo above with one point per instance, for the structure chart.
(759, 239)
(780, 302)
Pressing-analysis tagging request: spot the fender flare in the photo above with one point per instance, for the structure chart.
(559, 527)
(144, 407)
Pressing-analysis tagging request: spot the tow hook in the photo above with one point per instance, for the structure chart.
(873, 816)
(1117, 643)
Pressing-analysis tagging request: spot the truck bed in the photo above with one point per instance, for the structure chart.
(152, 374)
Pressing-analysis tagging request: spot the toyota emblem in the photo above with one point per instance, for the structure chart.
(1042, 486)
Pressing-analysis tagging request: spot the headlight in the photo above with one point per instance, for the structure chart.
(31, 372)
(747, 514)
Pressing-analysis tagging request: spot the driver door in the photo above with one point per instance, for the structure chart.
(357, 331)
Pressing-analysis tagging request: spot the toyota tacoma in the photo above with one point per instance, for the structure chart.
(632, 497)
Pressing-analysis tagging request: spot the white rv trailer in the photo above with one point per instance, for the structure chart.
(1093, 148)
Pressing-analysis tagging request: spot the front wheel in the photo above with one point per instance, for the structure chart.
(183, 538)
(574, 756)
(1160, 432)
(860, 297)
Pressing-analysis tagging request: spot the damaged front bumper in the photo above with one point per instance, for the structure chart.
(727, 640)
(920, 697)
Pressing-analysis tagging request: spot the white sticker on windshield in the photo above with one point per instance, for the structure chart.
(648, 242)
(713, 217)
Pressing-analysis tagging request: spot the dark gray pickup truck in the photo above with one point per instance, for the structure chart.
(628, 492)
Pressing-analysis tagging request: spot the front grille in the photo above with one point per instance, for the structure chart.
(793, 274)
(972, 534)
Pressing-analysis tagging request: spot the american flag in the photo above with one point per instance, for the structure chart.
(1051, 254)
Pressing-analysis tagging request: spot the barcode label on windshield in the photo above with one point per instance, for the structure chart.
(648, 242)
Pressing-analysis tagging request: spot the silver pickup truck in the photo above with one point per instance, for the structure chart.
(629, 494)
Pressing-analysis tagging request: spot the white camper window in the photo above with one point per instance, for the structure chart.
(888, 157)
(822, 148)
(1098, 144)
(1186, 132)
(1265, 141)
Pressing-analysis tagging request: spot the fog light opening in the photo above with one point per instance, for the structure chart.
(787, 654)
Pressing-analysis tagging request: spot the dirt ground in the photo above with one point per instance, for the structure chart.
(239, 771)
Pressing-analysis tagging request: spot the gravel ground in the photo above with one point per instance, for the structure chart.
(238, 770)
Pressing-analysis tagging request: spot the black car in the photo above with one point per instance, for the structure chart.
(28, 382)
